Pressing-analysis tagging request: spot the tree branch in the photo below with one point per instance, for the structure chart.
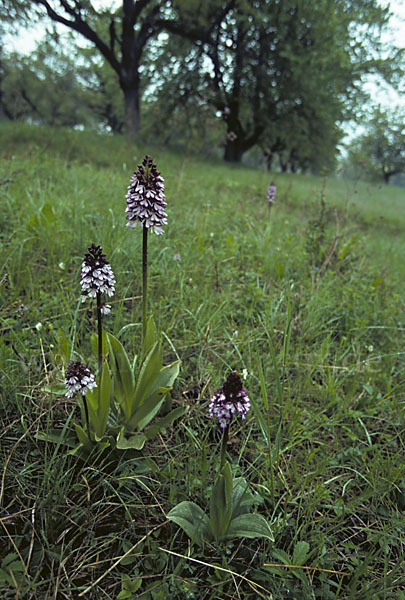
(81, 27)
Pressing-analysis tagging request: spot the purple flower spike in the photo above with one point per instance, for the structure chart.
(231, 399)
(271, 193)
(78, 378)
(97, 276)
(146, 202)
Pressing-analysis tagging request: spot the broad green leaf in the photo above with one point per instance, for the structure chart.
(104, 398)
(134, 442)
(282, 556)
(129, 587)
(122, 373)
(57, 389)
(165, 378)
(242, 497)
(165, 421)
(92, 399)
(249, 526)
(192, 519)
(221, 503)
(94, 343)
(82, 435)
(145, 413)
(153, 398)
(300, 553)
(8, 559)
(151, 337)
(151, 366)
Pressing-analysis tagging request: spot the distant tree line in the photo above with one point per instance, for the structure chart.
(281, 76)
(379, 152)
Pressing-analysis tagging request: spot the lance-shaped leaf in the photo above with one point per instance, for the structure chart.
(153, 397)
(151, 337)
(242, 497)
(165, 421)
(98, 401)
(123, 374)
(94, 343)
(192, 519)
(221, 503)
(149, 369)
(86, 446)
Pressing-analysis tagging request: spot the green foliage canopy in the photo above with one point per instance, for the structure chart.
(381, 149)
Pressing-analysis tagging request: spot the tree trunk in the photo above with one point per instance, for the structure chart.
(387, 177)
(233, 151)
(132, 111)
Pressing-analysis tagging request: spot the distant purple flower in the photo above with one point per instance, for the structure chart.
(78, 378)
(177, 257)
(271, 193)
(146, 202)
(231, 399)
(97, 276)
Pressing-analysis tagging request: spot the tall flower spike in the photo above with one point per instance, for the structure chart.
(78, 378)
(271, 193)
(146, 202)
(97, 276)
(231, 399)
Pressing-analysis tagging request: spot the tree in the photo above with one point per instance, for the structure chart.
(120, 36)
(382, 148)
(278, 63)
(281, 74)
(46, 87)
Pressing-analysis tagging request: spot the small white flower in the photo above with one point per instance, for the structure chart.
(38, 326)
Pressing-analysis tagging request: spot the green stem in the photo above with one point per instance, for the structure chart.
(144, 278)
(223, 447)
(86, 412)
(100, 335)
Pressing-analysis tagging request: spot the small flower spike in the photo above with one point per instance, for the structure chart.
(146, 202)
(78, 378)
(231, 399)
(271, 193)
(97, 276)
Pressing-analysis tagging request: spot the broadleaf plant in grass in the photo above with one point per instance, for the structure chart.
(231, 498)
(141, 386)
(130, 394)
(97, 280)
(140, 390)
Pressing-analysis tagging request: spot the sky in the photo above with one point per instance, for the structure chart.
(380, 92)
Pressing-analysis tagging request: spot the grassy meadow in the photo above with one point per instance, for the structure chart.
(307, 298)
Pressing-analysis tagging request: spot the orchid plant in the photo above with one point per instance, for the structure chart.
(231, 499)
(119, 405)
